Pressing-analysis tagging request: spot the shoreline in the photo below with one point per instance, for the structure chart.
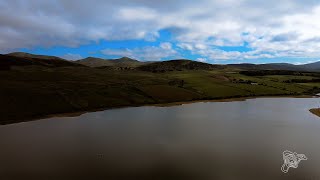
(169, 104)
(228, 100)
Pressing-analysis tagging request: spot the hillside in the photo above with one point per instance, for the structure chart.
(122, 62)
(128, 63)
(33, 56)
(278, 66)
(271, 66)
(95, 62)
(312, 66)
(28, 93)
(177, 65)
(61, 86)
(8, 61)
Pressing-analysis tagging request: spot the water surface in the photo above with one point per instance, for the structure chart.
(211, 140)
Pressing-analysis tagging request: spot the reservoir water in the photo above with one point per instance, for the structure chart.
(200, 141)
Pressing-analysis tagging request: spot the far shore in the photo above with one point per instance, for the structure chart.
(228, 100)
(79, 113)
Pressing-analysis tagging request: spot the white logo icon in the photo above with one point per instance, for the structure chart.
(291, 160)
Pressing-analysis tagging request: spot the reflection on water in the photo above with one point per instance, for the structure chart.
(217, 140)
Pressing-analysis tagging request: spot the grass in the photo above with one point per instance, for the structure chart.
(33, 92)
(315, 111)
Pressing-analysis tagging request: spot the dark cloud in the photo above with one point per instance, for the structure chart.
(285, 37)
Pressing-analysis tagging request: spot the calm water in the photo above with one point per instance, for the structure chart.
(200, 141)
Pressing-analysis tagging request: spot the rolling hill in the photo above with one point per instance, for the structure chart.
(278, 66)
(95, 62)
(33, 56)
(125, 63)
(10, 60)
(122, 62)
(177, 65)
(312, 66)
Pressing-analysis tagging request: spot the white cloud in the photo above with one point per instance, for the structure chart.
(149, 53)
(166, 45)
(271, 28)
(201, 59)
(72, 57)
(136, 14)
(185, 46)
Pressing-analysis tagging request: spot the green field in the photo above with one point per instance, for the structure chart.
(34, 92)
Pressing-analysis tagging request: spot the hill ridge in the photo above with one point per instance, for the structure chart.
(167, 65)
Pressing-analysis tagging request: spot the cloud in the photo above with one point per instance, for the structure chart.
(269, 28)
(284, 37)
(136, 14)
(201, 59)
(166, 45)
(149, 53)
(72, 57)
(185, 46)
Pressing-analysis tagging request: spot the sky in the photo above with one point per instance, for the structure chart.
(212, 31)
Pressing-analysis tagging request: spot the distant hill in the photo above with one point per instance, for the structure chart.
(25, 59)
(33, 56)
(177, 65)
(278, 66)
(95, 62)
(271, 66)
(245, 66)
(125, 63)
(312, 66)
(98, 62)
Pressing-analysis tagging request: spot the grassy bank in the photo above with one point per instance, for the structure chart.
(315, 111)
(33, 92)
